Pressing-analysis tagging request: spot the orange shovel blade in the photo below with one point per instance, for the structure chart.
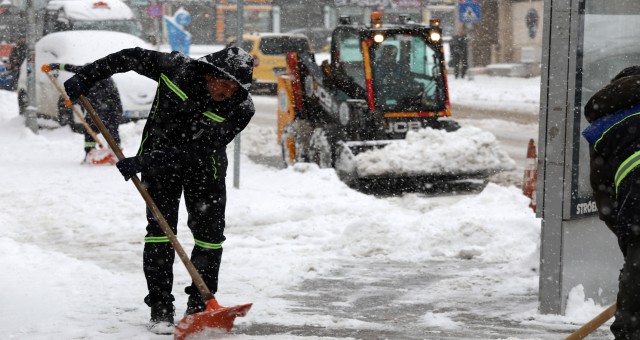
(215, 318)
(101, 157)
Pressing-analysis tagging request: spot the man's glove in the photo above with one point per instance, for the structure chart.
(129, 167)
(75, 87)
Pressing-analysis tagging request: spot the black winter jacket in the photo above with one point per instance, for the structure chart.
(614, 139)
(104, 95)
(184, 120)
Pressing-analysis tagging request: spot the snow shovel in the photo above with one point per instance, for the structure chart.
(215, 316)
(95, 156)
(592, 325)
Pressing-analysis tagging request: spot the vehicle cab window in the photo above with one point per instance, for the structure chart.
(406, 74)
(349, 63)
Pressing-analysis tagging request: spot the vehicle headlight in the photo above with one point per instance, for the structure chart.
(378, 38)
(435, 36)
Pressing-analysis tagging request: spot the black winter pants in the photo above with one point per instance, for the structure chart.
(627, 317)
(110, 119)
(203, 184)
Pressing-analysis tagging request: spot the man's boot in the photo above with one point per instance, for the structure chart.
(194, 303)
(162, 318)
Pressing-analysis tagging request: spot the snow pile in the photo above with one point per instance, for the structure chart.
(477, 227)
(581, 309)
(260, 141)
(467, 150)
(440, 320)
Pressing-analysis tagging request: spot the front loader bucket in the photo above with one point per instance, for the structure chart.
(421, 163)
(215, 318)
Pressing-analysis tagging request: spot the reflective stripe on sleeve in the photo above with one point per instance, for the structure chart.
(173, 87)
(625, 168)
(213, 117)
(207, 245)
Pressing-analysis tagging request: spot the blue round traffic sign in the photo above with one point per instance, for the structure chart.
(154, 11)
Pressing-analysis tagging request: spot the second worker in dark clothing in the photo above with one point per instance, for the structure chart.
(200, 107)
(613, 136)
(459, 53)
(105, 99)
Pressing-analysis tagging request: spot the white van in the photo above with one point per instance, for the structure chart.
(90, 15)
(78, 32)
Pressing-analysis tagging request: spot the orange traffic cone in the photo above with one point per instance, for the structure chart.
(531, 175)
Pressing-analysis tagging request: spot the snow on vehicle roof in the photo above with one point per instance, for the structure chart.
(272, 34)
(79, 47)
(93, 9)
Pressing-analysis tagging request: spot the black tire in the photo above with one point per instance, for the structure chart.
(321, 149)
(66, 117)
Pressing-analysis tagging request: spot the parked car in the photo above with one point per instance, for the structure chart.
(320, 37)
(6, 77)
(269, 51)
(78, 48)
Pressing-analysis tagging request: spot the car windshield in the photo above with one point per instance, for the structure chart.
(283, 45)
(246, 45)
(407, 74)
(125, 26)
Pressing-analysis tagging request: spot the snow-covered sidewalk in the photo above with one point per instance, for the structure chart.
(71, 249)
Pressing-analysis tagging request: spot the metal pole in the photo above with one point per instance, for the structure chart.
(469, 50)
(327, 16)
(157, 22)
(236, 141)
(30, 112)
(276, 19)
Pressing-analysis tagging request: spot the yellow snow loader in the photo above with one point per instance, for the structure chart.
(378, 111)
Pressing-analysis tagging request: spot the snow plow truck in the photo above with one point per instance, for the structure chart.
(378, 111)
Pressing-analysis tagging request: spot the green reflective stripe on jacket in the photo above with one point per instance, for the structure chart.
(215, 168)
(61, 67)
(156, 102)
(626, 167)
(90, 144)
(156, 239)
(142, 144)
(206, 245)
(595, 145)
(213, 117)
(173, 87)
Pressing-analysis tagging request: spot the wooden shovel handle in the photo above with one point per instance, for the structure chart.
(195, 276)
(73, 108)
(592, 325)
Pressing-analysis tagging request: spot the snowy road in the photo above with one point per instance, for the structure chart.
(319, 260)
(394, 298)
